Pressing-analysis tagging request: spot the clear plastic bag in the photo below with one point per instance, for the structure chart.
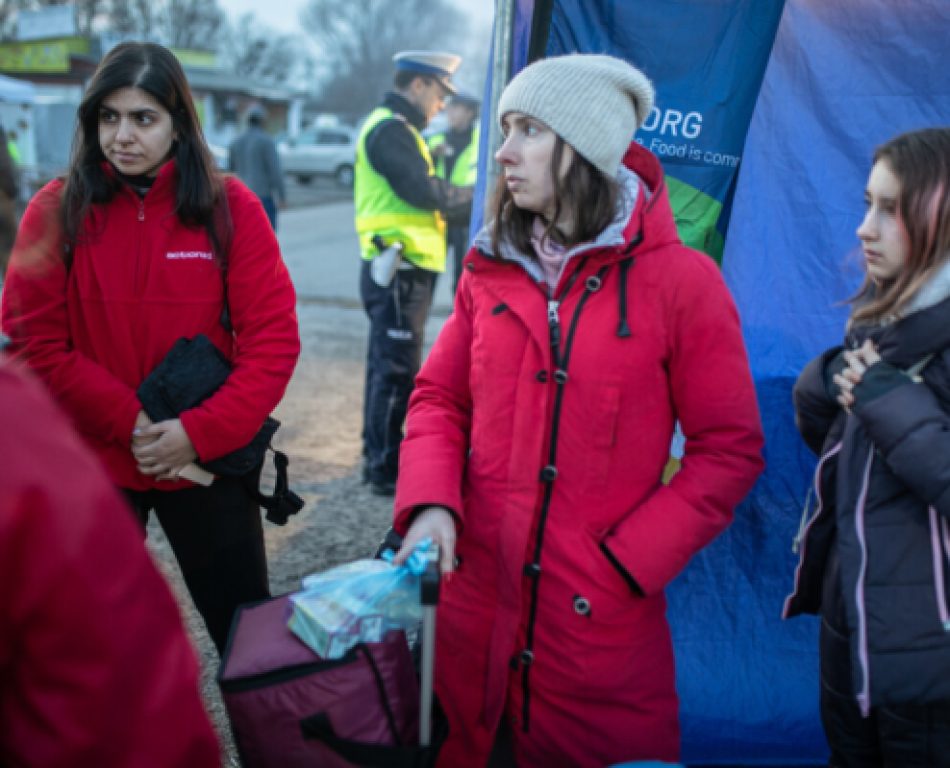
(358, 602)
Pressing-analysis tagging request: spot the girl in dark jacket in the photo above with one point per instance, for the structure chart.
(876, 554)
(142, 243)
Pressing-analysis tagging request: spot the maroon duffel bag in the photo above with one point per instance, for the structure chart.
(290, 708)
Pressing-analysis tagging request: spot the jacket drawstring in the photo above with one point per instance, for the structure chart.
(623, 328)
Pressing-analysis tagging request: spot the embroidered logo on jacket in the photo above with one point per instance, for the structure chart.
(206, 255)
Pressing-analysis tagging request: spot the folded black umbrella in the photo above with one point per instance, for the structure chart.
(192, 371)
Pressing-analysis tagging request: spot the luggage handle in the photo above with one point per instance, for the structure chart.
(429, 597)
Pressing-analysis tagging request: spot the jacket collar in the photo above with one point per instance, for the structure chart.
(401, 105)
(931, 293)
(924, 328)
(164, 185)
(643, 213)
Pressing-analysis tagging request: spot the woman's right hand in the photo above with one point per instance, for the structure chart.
(858, 361)
(438, 523)
(142, 422)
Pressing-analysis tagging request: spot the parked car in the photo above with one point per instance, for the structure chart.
(320, 152)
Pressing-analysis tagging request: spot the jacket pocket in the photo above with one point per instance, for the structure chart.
(602, 422)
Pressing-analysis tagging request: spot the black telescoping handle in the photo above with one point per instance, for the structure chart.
(429, 595)
(429, 587)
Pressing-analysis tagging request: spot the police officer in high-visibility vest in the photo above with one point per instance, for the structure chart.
(399, 205)
(455, 152)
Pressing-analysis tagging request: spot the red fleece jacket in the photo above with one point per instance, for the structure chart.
(139, 281)
(95, 664)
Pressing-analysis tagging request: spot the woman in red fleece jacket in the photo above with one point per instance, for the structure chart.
(120, 259)
(540, 424)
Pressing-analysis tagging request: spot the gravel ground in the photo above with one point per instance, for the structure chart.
(342, 521)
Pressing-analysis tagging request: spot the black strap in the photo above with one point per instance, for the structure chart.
(318, 727)
(540, 29)
(623, 327)
(381, 689)
(283, 502)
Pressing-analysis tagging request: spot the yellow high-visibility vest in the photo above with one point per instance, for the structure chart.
(380, 211)
(465, 170)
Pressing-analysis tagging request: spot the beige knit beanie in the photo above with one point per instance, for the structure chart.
(592, 101)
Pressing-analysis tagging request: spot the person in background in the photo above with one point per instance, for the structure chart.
(875, 557)
(253, 157)
(455, 152)
(399, 199)
(9, 196)
(96, 667)
(141, 244)
(540, 427)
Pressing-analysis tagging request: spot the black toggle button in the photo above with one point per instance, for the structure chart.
(581, 605)
(593, 283)
(560, 376)
(541, 376)
(527, 657)
(548, 473)
(533, 570)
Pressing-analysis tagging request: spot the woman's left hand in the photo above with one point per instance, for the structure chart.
(167, 453)
(858, 360)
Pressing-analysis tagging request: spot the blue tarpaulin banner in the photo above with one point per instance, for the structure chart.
(787, 189)
(706, 60)
(843, 77)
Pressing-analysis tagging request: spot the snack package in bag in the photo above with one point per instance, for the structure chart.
(358, 602)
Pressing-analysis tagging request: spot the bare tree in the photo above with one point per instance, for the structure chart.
(359, 37)
(258, 52)
(136, 18)
(194, 24)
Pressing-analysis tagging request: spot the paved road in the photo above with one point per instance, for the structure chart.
(319, 191)
(320, 248)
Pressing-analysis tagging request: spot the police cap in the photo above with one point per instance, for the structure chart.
(435, 64)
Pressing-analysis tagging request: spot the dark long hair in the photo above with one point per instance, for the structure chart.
(584, 196)
(921, 162)
(200, 191)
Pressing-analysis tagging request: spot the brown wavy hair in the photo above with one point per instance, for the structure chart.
(921, 162)
(584, 196)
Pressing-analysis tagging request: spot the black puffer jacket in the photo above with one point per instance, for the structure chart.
(883, 489)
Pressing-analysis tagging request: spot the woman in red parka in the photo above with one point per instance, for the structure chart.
(541, 423)
(143, 243)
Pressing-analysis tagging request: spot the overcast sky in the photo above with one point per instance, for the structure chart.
(282, 14)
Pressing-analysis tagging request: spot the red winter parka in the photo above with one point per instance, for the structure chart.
(95, 666)
(139, 280)
(552, 463)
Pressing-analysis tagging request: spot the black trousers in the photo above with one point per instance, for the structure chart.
(397, 317)
(217, 537)
(456, 240)
(905, 736)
